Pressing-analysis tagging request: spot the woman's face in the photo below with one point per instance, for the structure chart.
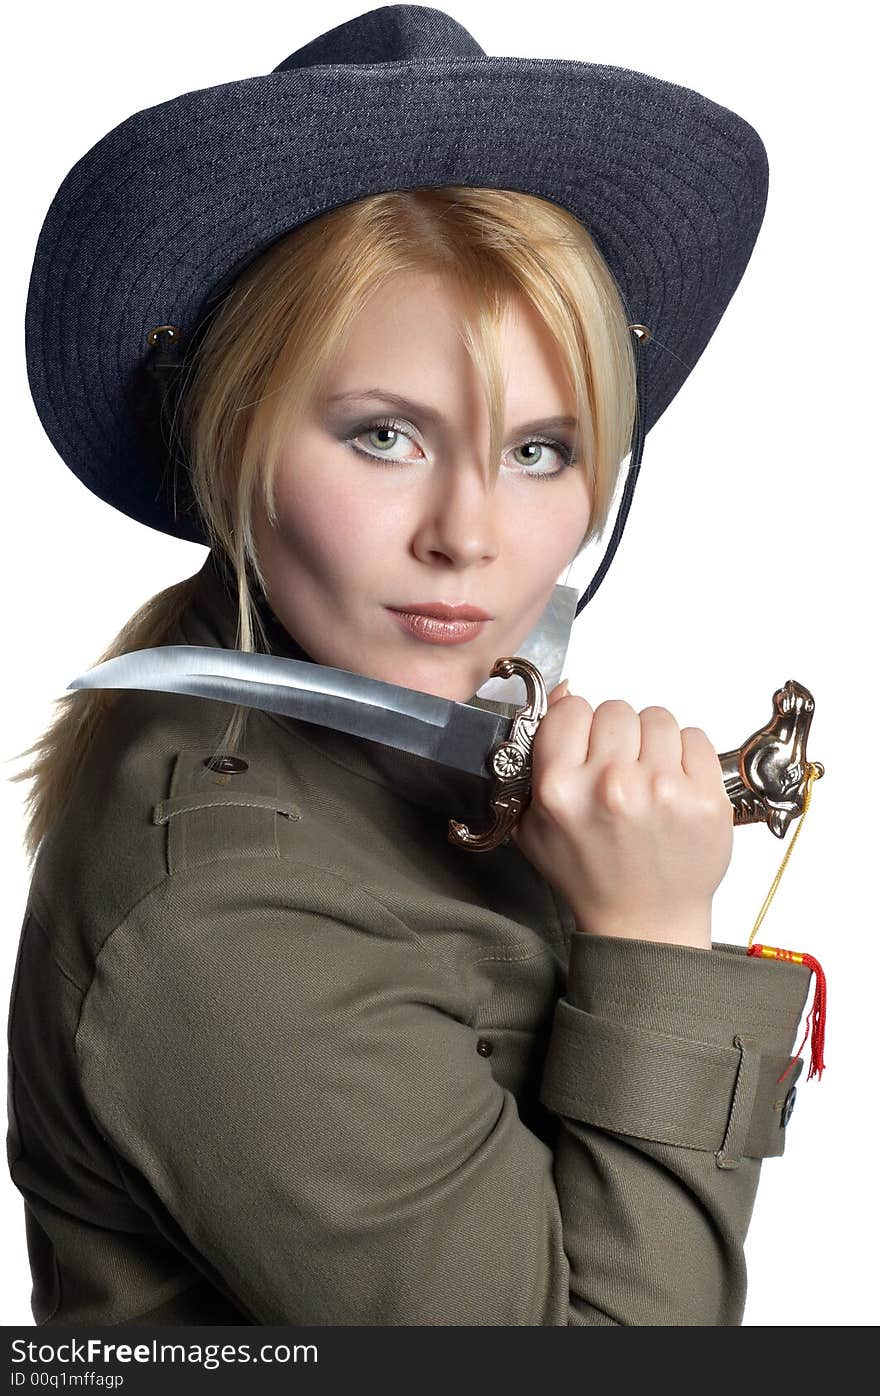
(381, 502)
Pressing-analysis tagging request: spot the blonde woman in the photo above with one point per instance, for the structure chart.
(279, 1052)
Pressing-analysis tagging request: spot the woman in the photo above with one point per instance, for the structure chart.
(279, 1053)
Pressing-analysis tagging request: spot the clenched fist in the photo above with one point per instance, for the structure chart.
(629, 819)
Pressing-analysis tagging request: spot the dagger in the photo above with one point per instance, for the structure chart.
(766, 778)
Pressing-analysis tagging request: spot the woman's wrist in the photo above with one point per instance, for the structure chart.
(691, 928)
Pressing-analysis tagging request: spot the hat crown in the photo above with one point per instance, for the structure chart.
(390, 34)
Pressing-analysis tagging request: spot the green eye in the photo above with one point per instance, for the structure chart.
(527, 445)
(384, 435)
(557, 446)
(382, 431)
(381, 446)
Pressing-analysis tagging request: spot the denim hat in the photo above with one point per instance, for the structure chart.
(155, 222)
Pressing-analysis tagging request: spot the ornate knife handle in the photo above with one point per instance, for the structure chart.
(765, 778)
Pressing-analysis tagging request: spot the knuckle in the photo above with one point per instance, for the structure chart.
(665, 789)
(549, 791)
(615, 787)
(712, 806)
(706, 809)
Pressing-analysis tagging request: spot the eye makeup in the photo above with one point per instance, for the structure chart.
(362, 428)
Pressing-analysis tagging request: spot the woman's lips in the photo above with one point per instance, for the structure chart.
(438, 632)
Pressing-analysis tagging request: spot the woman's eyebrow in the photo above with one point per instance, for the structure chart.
(431, 415)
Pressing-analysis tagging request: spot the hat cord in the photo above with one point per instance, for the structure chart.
(642, 335)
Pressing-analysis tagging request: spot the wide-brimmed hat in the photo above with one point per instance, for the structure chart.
(159, 217)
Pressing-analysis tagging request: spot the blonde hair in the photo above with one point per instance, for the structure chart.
(277, 331)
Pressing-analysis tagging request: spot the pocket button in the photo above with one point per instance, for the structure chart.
(227, 765)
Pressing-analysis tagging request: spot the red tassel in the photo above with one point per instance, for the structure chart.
(815, 1028)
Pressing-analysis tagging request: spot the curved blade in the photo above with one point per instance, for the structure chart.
(450, 733)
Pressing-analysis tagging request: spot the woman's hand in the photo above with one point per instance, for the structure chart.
(629, 819)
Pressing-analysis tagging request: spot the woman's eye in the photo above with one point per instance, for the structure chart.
(542, 448)
(383, 440)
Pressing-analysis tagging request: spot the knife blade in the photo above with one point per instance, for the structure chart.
(443, 730)
(766, 779)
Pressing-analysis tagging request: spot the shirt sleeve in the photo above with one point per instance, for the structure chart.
(297, 1082)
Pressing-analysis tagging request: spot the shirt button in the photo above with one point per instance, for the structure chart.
(485, 1047)
(228, 765)
(788, 1106)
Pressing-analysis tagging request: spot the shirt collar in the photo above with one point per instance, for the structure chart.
(210, 617)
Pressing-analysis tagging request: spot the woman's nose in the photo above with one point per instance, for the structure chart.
(459, 518)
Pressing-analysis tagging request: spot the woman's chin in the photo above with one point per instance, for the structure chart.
(440, 674)
(457, 688)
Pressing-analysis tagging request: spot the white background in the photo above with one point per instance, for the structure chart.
(749, 556)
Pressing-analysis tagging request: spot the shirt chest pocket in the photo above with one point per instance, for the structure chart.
(228, 810)
(514, 1019)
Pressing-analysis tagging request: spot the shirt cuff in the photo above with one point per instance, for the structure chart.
(677, 1044)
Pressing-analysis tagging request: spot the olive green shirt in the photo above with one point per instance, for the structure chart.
(281, 1053)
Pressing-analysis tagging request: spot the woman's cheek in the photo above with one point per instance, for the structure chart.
(328, 522)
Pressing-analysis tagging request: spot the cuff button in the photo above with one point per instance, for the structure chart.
(485, 1047)
(788, 1106)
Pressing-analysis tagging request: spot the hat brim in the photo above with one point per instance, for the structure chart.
(162, 213)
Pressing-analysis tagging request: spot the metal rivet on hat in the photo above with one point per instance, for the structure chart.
(172, 331)
(228, 765)
(642, 331)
